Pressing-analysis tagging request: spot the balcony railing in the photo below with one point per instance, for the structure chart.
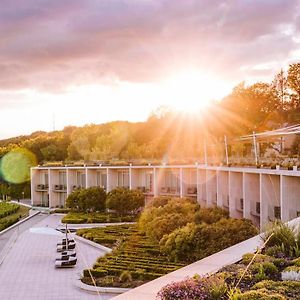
(169, 190)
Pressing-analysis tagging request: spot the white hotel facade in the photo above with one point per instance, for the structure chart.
(261, 195)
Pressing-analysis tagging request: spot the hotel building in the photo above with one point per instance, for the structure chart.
(261, 195)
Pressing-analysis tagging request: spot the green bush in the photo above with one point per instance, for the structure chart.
(125, 277)
(283, 236)
(211, 215)
(90, 199)
(158, 221)
(259, 295)
(125, 201)
(159, 201)
(202, 240)
(291, 289)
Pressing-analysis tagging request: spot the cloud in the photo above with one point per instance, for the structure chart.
(49, 45)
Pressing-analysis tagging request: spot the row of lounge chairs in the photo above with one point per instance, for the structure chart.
(67, 252)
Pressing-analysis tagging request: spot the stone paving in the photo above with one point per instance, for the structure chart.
(28, 270)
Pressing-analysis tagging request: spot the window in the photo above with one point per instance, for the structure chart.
(62, 178)
(101, 180)
(123, 179)
(277, 212)
(257, 208)
(81, 180)
(242, 203)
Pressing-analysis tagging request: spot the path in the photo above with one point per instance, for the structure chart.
(28, 272)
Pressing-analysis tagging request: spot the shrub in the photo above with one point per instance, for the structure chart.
(159, 201)
(211, 215)
(158, 221)
(125, 201)
(125, 277)
(259, 294)
(283, 236)
(213, 288)
(287, 288)
(203, 240)
(90, 199)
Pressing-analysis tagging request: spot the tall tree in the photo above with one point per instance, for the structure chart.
(293, 80)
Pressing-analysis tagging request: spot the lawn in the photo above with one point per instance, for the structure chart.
(11, 213)
(135, 259)
(100, 217)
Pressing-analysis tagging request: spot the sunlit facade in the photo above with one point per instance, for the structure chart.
(261, 195)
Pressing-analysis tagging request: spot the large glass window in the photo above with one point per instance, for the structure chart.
(81, 182)
(101, 180)
(123, 179)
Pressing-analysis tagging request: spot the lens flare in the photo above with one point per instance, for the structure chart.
(15, 165)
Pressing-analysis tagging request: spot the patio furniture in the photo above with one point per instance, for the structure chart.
(71, 262)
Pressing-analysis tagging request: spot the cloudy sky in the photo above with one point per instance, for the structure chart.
(91, 61)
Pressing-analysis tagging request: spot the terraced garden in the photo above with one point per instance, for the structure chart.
(135, 259)
(100, 217)
(11, 213)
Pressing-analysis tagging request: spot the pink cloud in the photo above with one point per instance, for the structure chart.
(52, 44)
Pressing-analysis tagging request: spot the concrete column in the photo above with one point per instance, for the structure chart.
(223, 189)
(235, 194)
(251, 195)
(34, 181)
(211, 188)
(270, 198)
(155, 182)
(290, 197)
(130, 178)
(182, 185)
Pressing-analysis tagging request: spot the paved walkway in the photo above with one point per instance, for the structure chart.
(28, 271)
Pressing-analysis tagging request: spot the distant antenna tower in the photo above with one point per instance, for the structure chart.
(53, 120)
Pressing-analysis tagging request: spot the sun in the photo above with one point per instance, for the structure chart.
(192, 90)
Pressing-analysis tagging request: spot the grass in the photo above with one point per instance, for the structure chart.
(133, 254)
(13, 217)
(99, 217)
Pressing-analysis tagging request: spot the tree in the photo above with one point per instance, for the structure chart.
(293, 80)
(125, 201)
(280, 89)
(90, 199)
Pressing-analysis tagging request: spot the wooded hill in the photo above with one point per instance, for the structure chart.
(168, 135)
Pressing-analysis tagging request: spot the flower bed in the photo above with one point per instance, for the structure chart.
(81, 218)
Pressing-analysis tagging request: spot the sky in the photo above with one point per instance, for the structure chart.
(76, 62)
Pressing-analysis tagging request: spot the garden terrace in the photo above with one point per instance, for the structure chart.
(10, 214)
(137, 256)
(273, 273)
(81, 218)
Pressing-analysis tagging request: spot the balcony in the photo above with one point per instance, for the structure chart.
(145, 190)
(169, 191)
(42, 187)
(192, 190)
(240, 204)
(60, 188)
(256, 212)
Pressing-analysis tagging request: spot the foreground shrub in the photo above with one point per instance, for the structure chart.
(125, 201)
(202, 240)
(285, 237)
(90, 199)
(198, 288)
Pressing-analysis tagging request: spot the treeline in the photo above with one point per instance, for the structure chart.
(168, 135)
